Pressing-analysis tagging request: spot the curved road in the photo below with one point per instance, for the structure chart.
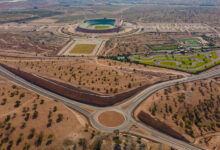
(128, 113)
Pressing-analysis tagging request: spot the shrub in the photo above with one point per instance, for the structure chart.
(17, 103)
(34, 106)
(35, 115)
(49, 123)
(8, 117)
(42, 101)
(23, 125)
(22, 95)
(4, 101)
(60, 117)
(27, 117)
(32, 132)
(54, 108)
(39, 139)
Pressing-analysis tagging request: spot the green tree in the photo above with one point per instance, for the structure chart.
(42, 101)
(39, 139)
(4, 101)
(54, 108)
(19, 139)
(49, 122)
(17, 103)
(60, 117)
(35, 115)
(129, 85)
(32, 132)
(82, 142)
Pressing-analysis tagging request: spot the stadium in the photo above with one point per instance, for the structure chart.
(100, 26)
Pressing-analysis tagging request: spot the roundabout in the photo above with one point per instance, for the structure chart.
(127, 114)
(110, 119)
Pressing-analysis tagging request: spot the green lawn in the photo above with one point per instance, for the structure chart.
(102, 27)
(83, 48)
(214, 56)
(181, 62)
(171, 47)
(191, 42)
(167, 63)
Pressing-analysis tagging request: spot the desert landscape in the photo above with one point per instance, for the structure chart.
(182, 106)
(30, 121)
(109, 75)
(88, 74)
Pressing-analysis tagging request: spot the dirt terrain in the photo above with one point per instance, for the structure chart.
(27, 117)
(64, 88)
(88, 75)
(36, 122)
(189, 112)
(186, 14)
(30, 44)
(190, 109)
(148, 71)
(111, 118)
(139, 43)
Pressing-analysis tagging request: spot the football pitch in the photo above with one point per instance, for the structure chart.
(83, 48)
(191, 42)
(102, 27)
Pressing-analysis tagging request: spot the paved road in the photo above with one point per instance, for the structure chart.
(136, 100)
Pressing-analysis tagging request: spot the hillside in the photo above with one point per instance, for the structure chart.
(190, 109)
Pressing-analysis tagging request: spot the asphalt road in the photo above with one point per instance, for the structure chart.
(128, 113)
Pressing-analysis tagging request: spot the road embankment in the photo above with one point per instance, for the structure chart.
(160, 126)
(72, 92)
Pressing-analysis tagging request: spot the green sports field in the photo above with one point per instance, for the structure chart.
(191, 42)
(163, 47)
(83, 49)
(101, 27)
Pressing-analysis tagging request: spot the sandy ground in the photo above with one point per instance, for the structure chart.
(139, 43)
(89, 75)
(192, 100)
(71, 126)
(111, 119)
(44, 20)
(132, 66)
(209, 141)
(65, 134)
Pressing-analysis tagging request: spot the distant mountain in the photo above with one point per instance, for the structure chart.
(159, 2)
(166, 2)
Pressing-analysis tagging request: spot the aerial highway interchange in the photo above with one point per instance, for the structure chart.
(128, 113)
